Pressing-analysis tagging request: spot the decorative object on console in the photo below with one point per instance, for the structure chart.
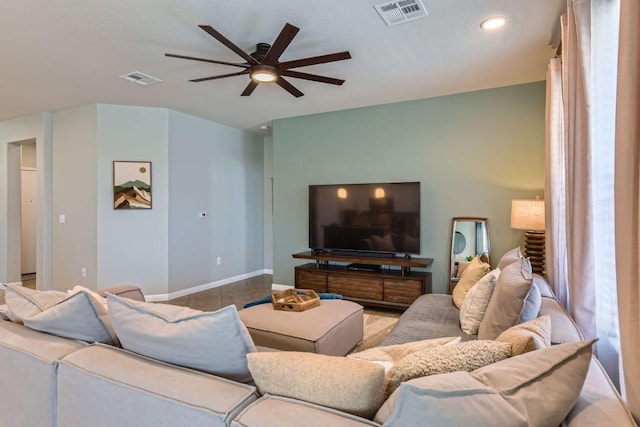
(528, 215)
(131, 185)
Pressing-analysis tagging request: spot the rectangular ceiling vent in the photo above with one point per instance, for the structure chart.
(398, 12)
(140, 78)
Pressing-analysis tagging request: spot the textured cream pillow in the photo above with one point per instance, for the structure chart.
(78, 315)
(470, 277)
(466, 356)
(348, 385)
(508, 300)
(387, 356)
(528, 336)
(536, 389)
(215, 342)
(476, 302)
(510, 257)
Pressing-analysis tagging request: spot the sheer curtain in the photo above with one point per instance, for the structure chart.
(627, 207)
(584, 153)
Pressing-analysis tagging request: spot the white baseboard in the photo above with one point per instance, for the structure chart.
(278, 287)
(4, 285)
(205, 287)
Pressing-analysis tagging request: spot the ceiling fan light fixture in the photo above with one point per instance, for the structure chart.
(263, 74)
(493, 23)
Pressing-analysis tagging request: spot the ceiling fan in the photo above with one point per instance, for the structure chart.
(263, 66)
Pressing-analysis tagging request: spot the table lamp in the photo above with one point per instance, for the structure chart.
(528, 215)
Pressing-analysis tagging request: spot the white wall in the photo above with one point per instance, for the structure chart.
(74, 184)
(268, 202)
(38, 127)
(219, 170)
(133, 245)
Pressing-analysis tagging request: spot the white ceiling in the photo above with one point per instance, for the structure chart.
(62, 54)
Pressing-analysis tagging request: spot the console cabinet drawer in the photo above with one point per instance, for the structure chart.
(403, 291)
(356, 287)
(316, 281)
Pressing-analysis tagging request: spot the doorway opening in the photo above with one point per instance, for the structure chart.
(23, 207)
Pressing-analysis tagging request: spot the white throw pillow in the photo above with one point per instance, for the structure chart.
(215, 342)
(476, 302)
(78, 315)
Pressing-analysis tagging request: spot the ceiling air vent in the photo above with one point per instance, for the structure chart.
(140, 78)
(398, 12)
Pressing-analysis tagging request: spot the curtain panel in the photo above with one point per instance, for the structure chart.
(627, 199)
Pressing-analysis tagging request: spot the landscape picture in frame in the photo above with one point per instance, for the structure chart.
(131, 185)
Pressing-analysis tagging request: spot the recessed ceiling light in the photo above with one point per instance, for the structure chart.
(493, 23)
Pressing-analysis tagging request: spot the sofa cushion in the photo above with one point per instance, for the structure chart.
(215, 342)
(528, 336)
(471, 275)
(476, 302)
(466, 356)
(510, 257)
(278, 411)
(348, 385)
(430, 316)
(78, 315)
(104, 386)
(508, 299)
(538, 388)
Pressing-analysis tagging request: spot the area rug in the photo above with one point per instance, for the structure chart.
(377, 325)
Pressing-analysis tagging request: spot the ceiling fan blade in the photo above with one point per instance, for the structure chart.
(289, 87)
(249, 89)
(338, 56)
(213, 61)
(312, 77)
(221, 76)
(282, 42)
(222, 39)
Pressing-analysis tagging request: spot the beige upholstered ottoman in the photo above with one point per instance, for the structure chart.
(334, 328)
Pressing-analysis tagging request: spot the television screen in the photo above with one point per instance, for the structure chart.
(383, 218)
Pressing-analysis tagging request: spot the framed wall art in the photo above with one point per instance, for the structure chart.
(131, 185)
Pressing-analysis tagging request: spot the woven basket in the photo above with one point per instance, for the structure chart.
(295, 300)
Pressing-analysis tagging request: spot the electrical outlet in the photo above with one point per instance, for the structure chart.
(62, 218)
(219, 260)
(83, 272)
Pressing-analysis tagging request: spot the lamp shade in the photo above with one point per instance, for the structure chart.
(527, 215)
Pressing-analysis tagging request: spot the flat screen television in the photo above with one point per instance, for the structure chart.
(378, 218)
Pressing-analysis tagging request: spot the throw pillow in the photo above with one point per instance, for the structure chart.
(77, 316)
(476, 302)
(532, 305)
(215, 342)
(387, 356)
(348, 385)
(510, 257)
(462, 266)
(528, 336)
(474, 272)
(466, 356)
(507, 302)
(536, 389)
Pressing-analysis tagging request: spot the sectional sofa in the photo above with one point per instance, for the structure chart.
(54, 381)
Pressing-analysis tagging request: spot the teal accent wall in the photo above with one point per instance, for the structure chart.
(472, 153)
